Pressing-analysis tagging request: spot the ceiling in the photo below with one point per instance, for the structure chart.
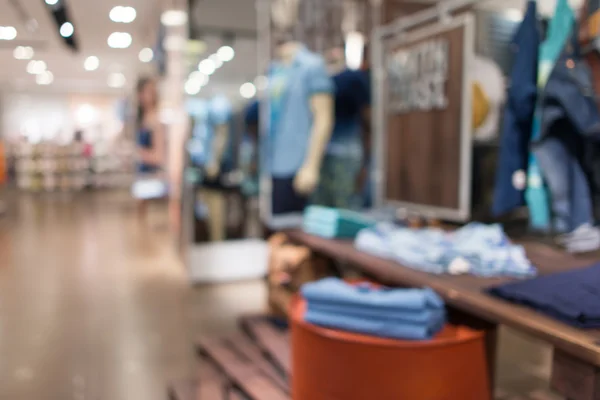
(213, 21)
(92, 26)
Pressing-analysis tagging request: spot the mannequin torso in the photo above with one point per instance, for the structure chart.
(301, 105)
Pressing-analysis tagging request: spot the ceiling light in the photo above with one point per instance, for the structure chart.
(513, 14)
(51, 2)
(355, 44)
(248, 90)
(116, 80)
(207, 67)
(261, 82)
(45, 78)
(91, 63)
(226, 53)
(174, 18)
(23, 53)
(146, 55)
(216, 61)
(199, 77)
(86, 114)
(119, 40)
(122, 14)
(36, 67)
(8, 33)
(192, 87)
(67, 30)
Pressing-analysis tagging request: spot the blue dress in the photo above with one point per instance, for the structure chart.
(144, 141)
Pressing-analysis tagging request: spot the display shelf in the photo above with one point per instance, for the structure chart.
(49, 167)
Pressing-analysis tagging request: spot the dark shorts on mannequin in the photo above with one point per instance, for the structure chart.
(213, 183)
(284, 198)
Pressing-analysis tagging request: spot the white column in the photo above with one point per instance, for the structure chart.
(173, 98)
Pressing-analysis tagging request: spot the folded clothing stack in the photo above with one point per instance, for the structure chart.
(334, 223)
(411, 314)
(572, 297)
(478, 249)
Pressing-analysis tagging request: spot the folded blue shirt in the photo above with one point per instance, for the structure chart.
(376, 327)
(427, 317)
(333, 222)
(334, 291)
(484, 249)
(572, 297)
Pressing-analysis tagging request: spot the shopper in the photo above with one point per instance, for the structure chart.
(150, 137)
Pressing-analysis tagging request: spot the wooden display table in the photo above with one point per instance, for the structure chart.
(576, 361)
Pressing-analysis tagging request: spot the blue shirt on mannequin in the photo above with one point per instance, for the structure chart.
(207, 116)
(290, 90)
(352, 95)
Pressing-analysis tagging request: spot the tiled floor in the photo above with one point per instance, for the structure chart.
(94, 306)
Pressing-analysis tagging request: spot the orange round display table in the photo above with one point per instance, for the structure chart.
(336, 365)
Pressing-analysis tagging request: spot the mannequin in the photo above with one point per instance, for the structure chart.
(211, 140)
(213, 197)
(343, 166)
(301, 104)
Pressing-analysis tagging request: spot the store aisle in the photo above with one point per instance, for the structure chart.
(93, 307)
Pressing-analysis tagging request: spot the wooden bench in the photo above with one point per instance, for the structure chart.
(576, 362)
(245, 366)
(209, 384)
(274, 343)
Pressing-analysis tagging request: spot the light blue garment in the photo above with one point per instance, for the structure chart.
(427, 317)
(198, 111)
(483, 250)
(414, 314)
(289, 132)
(559, 31)
(380, 327)
(334, 291)
(207, 116)
(278, 84)
(333, 222)
(248, 161)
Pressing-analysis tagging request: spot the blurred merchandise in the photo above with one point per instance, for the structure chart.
(51, 167)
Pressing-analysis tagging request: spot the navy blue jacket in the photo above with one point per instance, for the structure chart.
(518, 114)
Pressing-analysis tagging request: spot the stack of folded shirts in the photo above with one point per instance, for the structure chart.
(334, 223)
(412, 314)
(572, 297)
(478, 249)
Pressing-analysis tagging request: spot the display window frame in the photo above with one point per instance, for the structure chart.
(384, 40)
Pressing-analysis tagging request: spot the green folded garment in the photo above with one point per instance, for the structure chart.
(334, 223)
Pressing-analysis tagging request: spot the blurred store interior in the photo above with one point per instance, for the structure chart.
(176, 174)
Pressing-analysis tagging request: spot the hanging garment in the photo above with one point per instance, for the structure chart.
(572, 297)
(560, 29)
(518, 116)
(569, 118)
(567, 182)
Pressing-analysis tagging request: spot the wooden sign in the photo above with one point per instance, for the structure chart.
(424, 132)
